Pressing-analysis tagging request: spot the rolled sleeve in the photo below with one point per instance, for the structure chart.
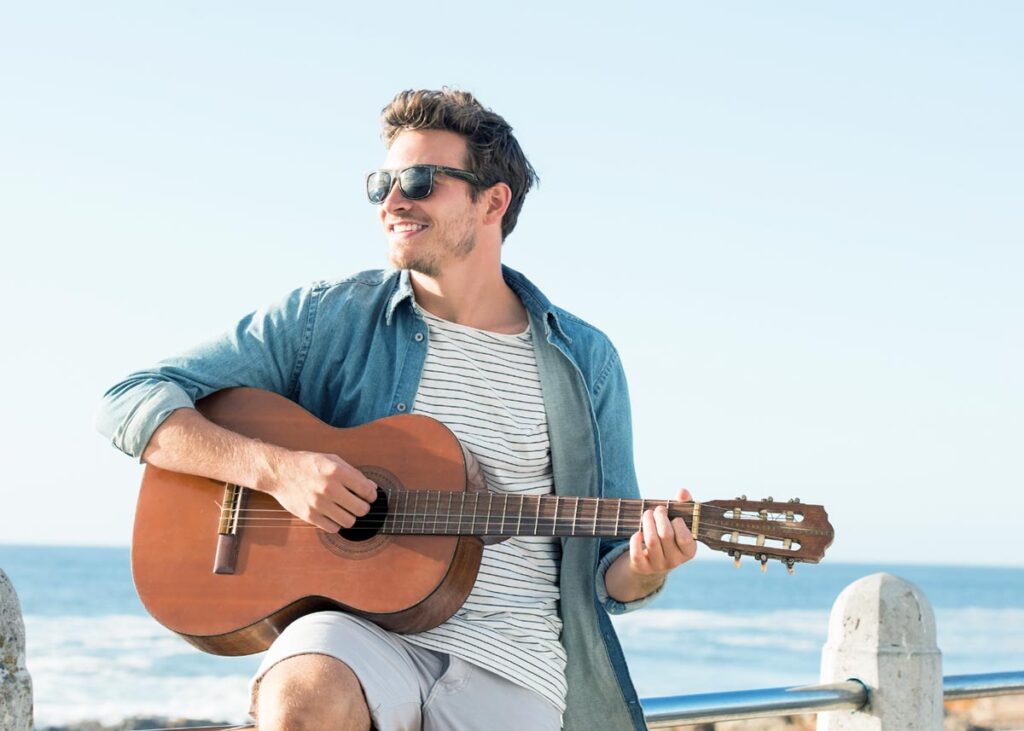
(614, 606)
(131, 417)
(264, 350)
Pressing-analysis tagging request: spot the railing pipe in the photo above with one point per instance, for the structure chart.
(669, 711)
(735, 705)
(983, 685)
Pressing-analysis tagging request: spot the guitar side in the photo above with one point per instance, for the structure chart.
(285, 568)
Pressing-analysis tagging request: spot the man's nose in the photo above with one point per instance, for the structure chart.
(395, 201)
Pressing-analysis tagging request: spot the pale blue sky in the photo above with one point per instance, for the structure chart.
(801, 224)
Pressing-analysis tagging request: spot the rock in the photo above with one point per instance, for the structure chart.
(15, 683)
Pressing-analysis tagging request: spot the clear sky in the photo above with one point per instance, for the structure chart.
(800, 223)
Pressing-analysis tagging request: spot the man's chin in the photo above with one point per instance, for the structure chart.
(400, 260)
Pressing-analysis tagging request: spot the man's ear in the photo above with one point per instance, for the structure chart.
(497, 199)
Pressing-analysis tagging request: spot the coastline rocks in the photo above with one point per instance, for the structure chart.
(15, 683)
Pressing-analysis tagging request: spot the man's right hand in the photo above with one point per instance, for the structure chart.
(321, 489)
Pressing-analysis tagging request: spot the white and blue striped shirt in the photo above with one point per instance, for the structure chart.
(485, 387)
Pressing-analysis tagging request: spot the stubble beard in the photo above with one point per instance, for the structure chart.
(429, 261)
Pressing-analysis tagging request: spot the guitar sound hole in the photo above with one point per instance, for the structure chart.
(370, 524)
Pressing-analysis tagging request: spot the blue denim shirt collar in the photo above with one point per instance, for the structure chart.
(535, 302)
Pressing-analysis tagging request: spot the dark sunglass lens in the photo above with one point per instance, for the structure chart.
(416, 182)
(378, 185)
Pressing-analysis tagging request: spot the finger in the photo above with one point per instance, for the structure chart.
(684, 496)
(652, 544)
(667, 538)
(358, 483)
(335, 513)
(637, 556)
(337, 471)
(320, 520)
(684, 540)
(346, 499)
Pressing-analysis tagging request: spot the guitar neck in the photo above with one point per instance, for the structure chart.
(432, 512)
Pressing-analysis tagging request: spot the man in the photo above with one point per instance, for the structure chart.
(537, 395)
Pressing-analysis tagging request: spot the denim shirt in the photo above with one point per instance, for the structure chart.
(352, 351)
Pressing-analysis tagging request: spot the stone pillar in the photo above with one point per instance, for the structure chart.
(15, 683)
(882, 633)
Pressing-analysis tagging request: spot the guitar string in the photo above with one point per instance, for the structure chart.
(497, 526)
(421, 516)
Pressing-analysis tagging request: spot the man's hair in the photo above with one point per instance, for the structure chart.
(493, 154)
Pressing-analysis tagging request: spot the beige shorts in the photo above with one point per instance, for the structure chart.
(409, 688)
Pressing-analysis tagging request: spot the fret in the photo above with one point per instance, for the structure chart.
(519, 518)
(504, 509)
(462, 511)
(432, 499)
(597, 510)
(476, 514)
(491, 511)
(618, 515)
(447, 513)
(536, 518)
(554, 521)
(575, 517)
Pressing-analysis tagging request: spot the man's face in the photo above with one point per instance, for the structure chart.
(424, 235)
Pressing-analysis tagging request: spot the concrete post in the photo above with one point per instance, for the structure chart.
(15, 683)
(882, 633)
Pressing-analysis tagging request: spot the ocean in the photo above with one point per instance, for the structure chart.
(94, 653)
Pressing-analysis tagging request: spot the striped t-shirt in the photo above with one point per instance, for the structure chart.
(485, 387)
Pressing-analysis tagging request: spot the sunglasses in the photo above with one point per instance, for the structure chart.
(416, 182)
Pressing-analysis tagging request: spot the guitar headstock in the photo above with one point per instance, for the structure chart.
(791, 532)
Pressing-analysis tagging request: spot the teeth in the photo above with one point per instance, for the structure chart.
(404, 227)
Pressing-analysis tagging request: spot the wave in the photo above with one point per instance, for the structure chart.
(110, 667)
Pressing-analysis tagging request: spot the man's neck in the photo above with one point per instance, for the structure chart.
(473, 296)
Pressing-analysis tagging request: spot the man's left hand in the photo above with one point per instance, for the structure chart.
(658, 547)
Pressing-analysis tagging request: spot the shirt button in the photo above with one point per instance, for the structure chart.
(400, 407)
(418, 337)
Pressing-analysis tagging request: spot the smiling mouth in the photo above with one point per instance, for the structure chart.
(405, 227)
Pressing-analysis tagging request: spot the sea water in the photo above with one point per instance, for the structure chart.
(94, 653)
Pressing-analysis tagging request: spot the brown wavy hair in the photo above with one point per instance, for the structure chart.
(493, 153)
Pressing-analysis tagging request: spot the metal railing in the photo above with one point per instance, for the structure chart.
(852, 695)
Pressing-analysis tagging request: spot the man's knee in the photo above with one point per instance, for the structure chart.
(311, 692)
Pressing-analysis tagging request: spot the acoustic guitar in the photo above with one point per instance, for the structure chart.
(227, 568)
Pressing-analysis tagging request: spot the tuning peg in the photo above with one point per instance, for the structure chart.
(736, 558)
(789, 566)
(764, 565)
(769, 499)
(794, 500)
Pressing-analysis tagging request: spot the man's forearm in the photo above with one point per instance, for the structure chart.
(190, 443)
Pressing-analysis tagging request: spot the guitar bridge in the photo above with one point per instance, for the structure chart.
(226, 557)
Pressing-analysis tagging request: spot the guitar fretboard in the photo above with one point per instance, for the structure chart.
(433, 512)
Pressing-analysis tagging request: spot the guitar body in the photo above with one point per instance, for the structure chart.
(287, 568)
